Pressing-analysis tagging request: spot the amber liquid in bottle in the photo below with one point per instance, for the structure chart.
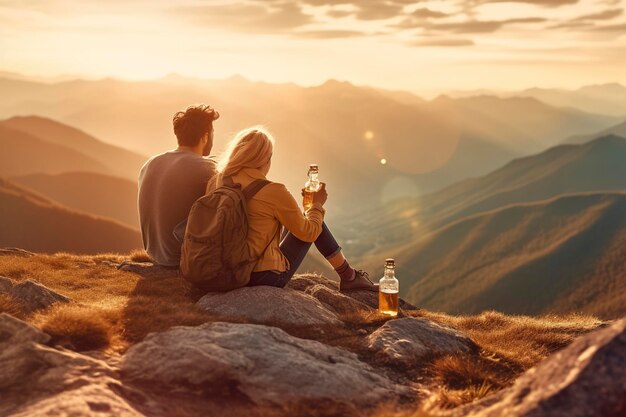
(311, 186)
(389, 287)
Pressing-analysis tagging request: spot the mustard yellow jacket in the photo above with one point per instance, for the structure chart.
(269, 210)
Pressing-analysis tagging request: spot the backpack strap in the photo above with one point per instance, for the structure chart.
(253, 188)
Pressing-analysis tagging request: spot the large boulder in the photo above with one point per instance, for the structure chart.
(38, 380)
(586, 379)
(269, 305)
(263, 364)
(33, 296)
(406, 341)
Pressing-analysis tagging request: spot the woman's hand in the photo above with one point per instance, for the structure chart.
(320, 196)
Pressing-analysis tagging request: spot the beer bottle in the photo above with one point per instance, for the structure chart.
(388, 290)
(311, 186)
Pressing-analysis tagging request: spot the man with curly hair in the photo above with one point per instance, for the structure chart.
(169, 183)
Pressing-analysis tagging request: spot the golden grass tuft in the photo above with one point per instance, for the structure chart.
(77, 328)
(10, 306)
(140, 256)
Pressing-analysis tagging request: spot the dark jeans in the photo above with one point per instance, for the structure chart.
(295, 250)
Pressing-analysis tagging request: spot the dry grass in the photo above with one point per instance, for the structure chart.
(113, 310)
(77, 328)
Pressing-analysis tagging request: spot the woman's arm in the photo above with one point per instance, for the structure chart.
(306, 228)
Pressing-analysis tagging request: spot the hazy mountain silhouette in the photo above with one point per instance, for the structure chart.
(24, 154)
(617, 130)
(603, 98)
(594, 166)
(119, 161)
(97, 194)
(33, 222)
(346, 129)
(560, 255)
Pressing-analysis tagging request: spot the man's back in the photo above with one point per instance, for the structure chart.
(168, 186)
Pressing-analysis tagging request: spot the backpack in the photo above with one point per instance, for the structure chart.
(215, 255)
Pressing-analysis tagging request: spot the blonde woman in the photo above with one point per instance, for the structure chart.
(249, 157)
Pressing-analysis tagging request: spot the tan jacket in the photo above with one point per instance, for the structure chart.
(270, 208)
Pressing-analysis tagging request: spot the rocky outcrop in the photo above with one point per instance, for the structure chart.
(38, 380)
(6, 285)
(586, 379)
(32, 296)
(264, 364)
(269, 305)
(407, 341)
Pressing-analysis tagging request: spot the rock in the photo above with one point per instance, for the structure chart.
(263, 364)
(148, 269)
(16, 252)
(305, 281)
(269, 305)
(38, 380)
(34, 296)
(339, 303)
(6, 284)
(585, 379)
(406, 341)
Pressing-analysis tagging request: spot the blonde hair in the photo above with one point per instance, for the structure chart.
(250, 148)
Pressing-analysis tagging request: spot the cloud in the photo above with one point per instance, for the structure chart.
(255, 17)
(604, 15)
(544, 3)
(443, 42)
(427, 13)
(479, 26)
(328, 34)
(621, 27)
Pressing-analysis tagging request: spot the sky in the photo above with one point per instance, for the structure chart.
(420, 46)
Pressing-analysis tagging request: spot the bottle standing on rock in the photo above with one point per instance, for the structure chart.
(311, 186)
(388, 290)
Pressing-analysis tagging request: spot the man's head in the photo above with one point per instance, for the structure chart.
(194, 127)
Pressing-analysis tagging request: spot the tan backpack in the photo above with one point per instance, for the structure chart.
(215, 255)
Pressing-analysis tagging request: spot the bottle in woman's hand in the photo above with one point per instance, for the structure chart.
(311, 186)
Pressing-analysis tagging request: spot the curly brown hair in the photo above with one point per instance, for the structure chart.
(193, 123)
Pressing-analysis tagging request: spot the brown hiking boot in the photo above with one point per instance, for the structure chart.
(361, 281)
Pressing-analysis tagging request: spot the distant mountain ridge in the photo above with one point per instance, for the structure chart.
(97, 194)
(119, 161)
(35, 223)
(555, 256)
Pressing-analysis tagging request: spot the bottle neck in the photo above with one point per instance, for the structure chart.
(313, 176)
(390, 272)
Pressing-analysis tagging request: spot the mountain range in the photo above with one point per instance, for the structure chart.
(349, 131)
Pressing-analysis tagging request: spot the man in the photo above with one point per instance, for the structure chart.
(170, 183)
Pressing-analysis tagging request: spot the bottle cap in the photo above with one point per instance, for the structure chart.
(313, 167)
(390, 262)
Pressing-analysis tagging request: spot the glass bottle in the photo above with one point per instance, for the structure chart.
(311, 186)
(388, 290)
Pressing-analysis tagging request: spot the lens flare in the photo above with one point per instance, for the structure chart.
(369, 135)
(383, 161)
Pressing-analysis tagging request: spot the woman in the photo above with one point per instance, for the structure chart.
(248, 158)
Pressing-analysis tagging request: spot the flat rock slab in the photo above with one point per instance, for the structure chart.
(16, 252)
(585, 379)
(264, 364)
(406, 341)
(269, 305)
(148, 269)
(31, 295)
